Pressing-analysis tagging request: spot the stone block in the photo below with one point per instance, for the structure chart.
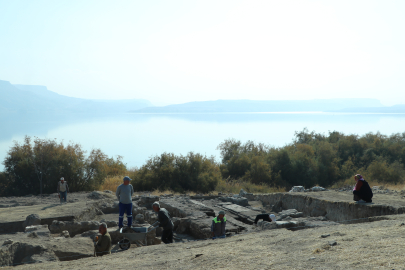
(40, 230)
(32, 219)
(297, 189)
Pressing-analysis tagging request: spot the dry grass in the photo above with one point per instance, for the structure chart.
(234, 186)
(224, 186)
(111, 183)
(351, 182)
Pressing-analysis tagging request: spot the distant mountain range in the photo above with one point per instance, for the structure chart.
(35, 98)
(254, 106)
(19, 98)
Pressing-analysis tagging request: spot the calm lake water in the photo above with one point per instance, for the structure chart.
(137, 137)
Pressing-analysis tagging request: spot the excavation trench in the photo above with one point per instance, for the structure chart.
(339, 211)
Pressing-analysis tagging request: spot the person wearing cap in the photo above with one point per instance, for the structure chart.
(265, 217)
(362, 191)
(218, 225)
(124, 194)
(62, 189)
(165, 222)
(102, 245)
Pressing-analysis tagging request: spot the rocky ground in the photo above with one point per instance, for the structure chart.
(310, 233)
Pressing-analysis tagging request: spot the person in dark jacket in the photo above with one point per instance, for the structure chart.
(265, 217)
(218, 225)
(165, 222)
(362, 191)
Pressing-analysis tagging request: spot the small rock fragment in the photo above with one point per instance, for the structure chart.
(332, 243)
(325, 235)
(8, 241)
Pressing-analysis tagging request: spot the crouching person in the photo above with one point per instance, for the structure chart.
(265, 217)
(103, 244)
(218, 225)
(362, 191)
(165, 222)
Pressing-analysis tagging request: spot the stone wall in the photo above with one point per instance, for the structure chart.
(336, 211)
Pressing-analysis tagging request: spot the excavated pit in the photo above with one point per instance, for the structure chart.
(192, 217)
(334, 206)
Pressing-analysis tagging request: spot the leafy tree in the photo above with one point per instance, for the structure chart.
(34, 167)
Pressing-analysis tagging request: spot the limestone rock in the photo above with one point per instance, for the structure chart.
(73, 227)
(40, 230)
(297, 189)
(332, 243)
(317, 188)
(65, 234)
(277, 207)
(265, 225)
(8, 241)
(289, 224)
(139, 218)
(290, 213)
(242, 201)
(32, 219)
(110, 223)
(32, 235)
(242, 193)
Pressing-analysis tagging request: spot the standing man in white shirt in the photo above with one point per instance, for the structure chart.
(62, 189)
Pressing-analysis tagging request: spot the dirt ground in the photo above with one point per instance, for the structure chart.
(375, 245)
(371, 245)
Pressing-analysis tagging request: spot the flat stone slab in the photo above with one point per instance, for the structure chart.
(237, 209)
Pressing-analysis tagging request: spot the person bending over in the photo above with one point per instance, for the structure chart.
(362, 191)
(265, 217)
(165, 222)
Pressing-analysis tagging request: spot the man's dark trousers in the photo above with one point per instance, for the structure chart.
(125, 208)
(167, 236)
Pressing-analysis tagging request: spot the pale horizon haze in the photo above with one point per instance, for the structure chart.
(180, 51)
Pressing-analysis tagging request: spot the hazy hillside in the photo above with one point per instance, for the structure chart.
(263, 106)
(392, 109)
(36, 98)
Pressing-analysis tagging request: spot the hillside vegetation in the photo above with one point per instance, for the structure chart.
(311, 159)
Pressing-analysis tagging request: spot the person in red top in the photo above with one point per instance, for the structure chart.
(362, 191)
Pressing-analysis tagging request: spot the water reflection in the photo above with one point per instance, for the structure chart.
(136, 137)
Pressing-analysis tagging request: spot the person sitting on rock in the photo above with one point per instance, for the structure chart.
(362, 191)
(165, 222)
(218, 225)
(124, 195)
(265, 217)
(102, 246)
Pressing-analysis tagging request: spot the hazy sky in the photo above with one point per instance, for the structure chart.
(180, 51)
